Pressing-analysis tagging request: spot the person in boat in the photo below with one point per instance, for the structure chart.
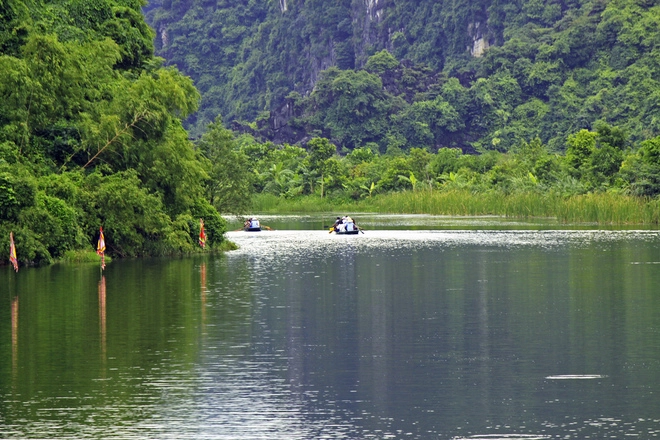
(349, 224)
(247, 223)
(335, 227)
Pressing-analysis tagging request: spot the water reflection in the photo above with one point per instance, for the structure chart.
(102, 320)
(455, 326)
(202, 282)
(301, 334)
(14, 338)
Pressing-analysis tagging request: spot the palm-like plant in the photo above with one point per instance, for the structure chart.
(412, 180)
(370, 189)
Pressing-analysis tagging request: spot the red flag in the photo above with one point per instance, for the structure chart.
(202, 234)
(100, 248)
(12, 252)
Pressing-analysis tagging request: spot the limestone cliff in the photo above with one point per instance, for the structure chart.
(247, 56)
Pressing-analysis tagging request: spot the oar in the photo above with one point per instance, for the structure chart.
(332, 229)
(268, 228)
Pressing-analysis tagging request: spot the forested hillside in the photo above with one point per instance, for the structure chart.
(91, 135)
(481, 75)
(561, 99)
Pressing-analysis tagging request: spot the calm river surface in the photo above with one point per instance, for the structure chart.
(421, 327)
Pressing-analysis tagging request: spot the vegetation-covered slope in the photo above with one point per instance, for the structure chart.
(91, 135)
(486, 74)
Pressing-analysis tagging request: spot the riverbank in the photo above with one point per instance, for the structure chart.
(90, 256)
(601, 208)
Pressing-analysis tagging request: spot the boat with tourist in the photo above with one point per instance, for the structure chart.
(252, 225)
(345, 226)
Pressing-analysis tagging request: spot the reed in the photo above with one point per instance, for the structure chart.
(600, 208)
(85, 256)
(463, 202)
(269, 203)
(608, 208)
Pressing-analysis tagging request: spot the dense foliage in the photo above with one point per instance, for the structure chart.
(549, 69)
(563, 101)
(91, 135)
(596, 162)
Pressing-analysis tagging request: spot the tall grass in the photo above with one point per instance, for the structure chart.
(601, 208)
(83, 256)
(463, 202)
(269, 203)
(608, 208)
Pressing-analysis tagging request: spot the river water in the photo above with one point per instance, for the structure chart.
(420, 327)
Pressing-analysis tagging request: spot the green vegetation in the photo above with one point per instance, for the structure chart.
(91, 136)
(595, 181)
(614, 209)
(561, 107)
(603, 208)
(558, 111)
(411, 74)
(83, 256)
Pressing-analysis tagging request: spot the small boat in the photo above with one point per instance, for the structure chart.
(345, 226)
(252, 225)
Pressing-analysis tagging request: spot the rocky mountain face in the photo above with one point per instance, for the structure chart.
(247, 56)
(482, 74)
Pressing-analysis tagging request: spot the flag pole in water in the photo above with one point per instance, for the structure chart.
(100, 248)
(202, 234)
(12, 252)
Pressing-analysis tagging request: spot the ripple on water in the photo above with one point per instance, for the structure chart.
(257, 403)
(575, 377)
(504, 437)
(270, 244)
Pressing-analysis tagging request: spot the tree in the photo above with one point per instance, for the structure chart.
(351, 105)
(321, 166)
(91, 134)
(381, 62)
(427, 124)
(230, 179)
(580, 147)
(642, 170)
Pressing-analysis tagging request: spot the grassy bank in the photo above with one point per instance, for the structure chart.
(81, 256)
(602, 208)
(88, 256)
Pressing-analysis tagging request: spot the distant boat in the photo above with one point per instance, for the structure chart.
(345, 226)
(252, 225)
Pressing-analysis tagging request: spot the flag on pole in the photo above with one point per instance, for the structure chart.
(202, 234)
(12, 252)
(100, 248)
